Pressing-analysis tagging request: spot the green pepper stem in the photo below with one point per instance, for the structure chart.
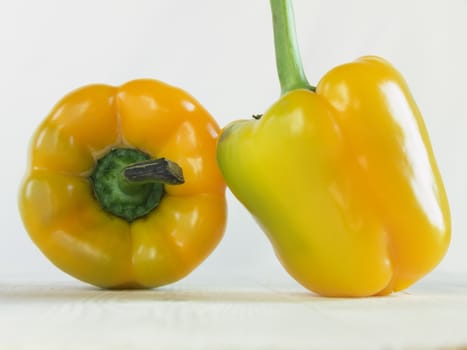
(154, 170)
(288, 61)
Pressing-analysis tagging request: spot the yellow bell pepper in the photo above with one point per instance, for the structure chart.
(105, 214)
(341, 177)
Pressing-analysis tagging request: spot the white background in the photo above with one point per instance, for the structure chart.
(222, 53)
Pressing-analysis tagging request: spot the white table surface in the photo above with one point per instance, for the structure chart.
(233, 314)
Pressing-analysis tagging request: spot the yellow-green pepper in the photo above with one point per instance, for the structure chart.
(341, 177)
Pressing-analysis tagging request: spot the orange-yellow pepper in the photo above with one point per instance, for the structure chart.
(59, 202)
(341, 177)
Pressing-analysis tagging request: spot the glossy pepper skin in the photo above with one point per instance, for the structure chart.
(341, 176)
(60, 211)
(344, 182)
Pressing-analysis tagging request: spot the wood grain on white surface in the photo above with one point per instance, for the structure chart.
(246, 315)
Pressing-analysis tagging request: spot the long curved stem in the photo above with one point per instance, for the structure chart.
(288, 61)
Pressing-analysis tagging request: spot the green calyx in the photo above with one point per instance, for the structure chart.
(128, 184)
